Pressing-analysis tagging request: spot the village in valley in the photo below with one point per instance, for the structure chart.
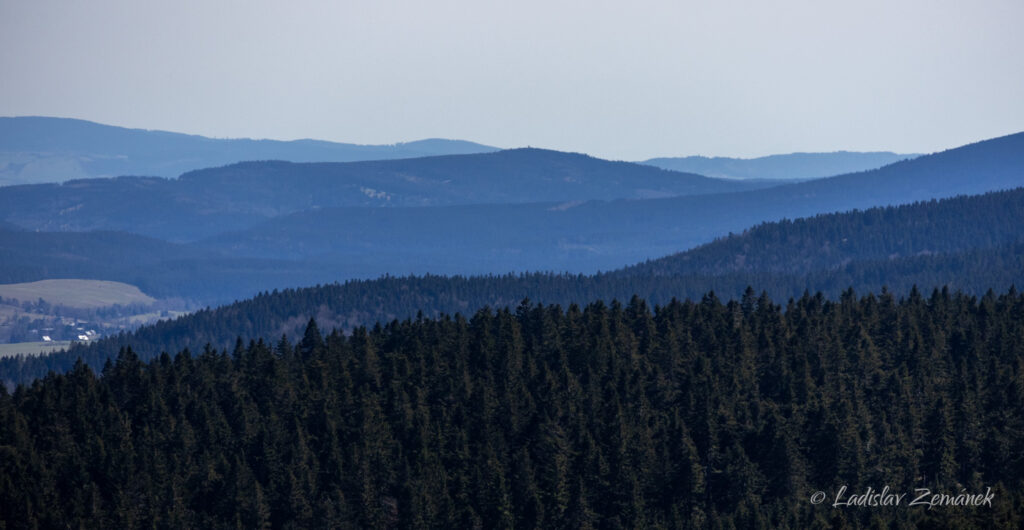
(35, 319)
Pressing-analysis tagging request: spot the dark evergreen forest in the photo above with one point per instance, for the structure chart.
(969, 244)
(696, 414)
(831, 242)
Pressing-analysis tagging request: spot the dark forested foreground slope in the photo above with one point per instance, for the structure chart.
(698, 415)
(971, 244)
(41, 149)
(365, 302)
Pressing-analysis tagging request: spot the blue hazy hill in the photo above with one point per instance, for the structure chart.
(332, 243)
(603, 235)
(43, 149)
(210, 201)
(793, 166)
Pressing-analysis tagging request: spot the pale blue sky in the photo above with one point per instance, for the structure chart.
(621, 80)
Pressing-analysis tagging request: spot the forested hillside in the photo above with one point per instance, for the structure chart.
(971, 244)
(560, 332)
(827, 241)
(263, 227)
(211, 201)
(604, 235)
(698, 415)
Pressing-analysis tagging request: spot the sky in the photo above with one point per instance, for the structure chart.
(619, 80)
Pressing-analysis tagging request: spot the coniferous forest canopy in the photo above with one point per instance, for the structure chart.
(971, 244)
(700, 414)
(735, 383)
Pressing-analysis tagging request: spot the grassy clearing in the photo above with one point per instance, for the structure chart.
(32, 348)
(84, 294)
(149, 318)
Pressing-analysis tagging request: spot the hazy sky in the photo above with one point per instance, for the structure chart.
(622, 80)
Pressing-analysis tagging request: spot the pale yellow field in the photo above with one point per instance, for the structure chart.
(85, 294)
(32, 348)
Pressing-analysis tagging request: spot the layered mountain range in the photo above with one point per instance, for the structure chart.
(967, 243)
(225, 233)
(36, 149)
(463, 362)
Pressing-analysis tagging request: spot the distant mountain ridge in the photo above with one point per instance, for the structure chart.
(265, 230)
(603, 235)
(210, 201)
(36, 149)
(793, 166)
(44, 149)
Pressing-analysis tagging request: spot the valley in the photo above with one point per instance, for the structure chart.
(306, 311)
(512, 265)
(52, 314)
